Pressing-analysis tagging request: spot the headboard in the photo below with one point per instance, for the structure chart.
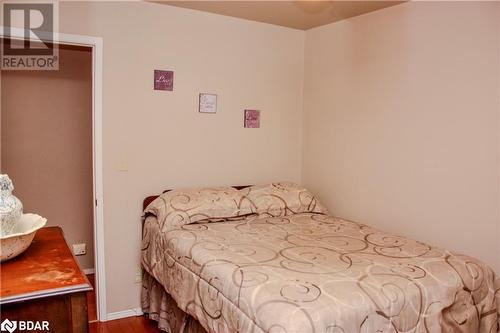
(151, 198)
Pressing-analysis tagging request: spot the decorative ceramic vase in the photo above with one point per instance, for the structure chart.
(11, 207)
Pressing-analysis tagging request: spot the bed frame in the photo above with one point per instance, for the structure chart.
(151, 198)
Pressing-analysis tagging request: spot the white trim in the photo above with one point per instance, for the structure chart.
(124, 314)
(99, 253)
(97, 67)
(88, 271)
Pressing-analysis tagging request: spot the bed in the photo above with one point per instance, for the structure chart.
(271, 259)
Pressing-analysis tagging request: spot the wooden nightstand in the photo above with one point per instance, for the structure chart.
(45, 283)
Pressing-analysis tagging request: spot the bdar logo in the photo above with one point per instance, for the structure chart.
(9, 326)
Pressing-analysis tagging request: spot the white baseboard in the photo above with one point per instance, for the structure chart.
(124, 314)
(88, 271)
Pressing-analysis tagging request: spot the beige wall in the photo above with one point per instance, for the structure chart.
(401, 111)
(160, 137)
(400, 117)
(46, 143)
(498, 77)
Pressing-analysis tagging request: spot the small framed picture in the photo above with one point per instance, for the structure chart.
(208, 103)
(164, 80)
(252, 119)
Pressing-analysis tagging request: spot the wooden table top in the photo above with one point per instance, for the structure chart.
(47, 268)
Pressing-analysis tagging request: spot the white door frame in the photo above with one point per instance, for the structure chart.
(97, 48)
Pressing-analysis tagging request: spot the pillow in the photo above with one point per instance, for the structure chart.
(282, 199)
(179, 207)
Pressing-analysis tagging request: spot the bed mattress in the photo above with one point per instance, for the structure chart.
(316, 273)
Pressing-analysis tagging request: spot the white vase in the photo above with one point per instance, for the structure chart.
(11, 207)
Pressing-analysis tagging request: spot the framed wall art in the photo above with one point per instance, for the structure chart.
(163, 80)
(252, 119)
(207, 103)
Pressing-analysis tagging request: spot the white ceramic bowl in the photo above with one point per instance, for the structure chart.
(22, 236)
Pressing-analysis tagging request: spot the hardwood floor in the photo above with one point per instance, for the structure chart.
(91, 301)
(139, 324)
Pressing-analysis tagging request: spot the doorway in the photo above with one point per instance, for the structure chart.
(76, 110)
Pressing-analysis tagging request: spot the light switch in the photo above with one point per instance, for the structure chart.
(122, 164)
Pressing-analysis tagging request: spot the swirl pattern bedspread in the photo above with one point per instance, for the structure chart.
(316, 273)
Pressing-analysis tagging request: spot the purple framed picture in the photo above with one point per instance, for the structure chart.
(252, 118)
(164, 80)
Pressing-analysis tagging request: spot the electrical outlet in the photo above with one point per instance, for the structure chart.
(79, 249)
(138, 275)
